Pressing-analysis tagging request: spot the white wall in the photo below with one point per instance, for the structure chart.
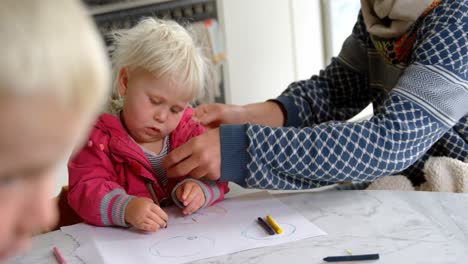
(307, 37)
(269, 44)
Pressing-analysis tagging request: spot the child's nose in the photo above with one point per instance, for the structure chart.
(160, 116)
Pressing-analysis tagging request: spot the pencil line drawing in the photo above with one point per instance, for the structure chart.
(182, 246)
(210, 213)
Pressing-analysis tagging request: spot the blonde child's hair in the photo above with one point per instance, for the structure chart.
(50, 48)
(163, 48)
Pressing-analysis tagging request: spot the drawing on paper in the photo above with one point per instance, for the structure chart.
(228, 227)
(204, 215)
(256, 232)
(182, 246)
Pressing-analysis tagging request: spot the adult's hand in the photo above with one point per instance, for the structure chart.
(199, 157)
(213, 115)
(266, 113)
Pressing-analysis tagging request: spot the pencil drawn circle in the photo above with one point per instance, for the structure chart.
(182, 246)
(256, 232)
(212, 213)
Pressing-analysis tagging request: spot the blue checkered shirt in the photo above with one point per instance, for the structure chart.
(421, 110)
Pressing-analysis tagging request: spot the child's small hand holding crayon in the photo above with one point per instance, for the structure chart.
(191, 196)
(144, 214)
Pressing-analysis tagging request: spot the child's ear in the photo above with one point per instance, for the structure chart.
(123, 81)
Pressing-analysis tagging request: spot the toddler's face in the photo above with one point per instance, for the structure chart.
(153, 107)
(36, 135)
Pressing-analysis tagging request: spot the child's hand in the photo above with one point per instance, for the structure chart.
(144, 214)
(191, 196)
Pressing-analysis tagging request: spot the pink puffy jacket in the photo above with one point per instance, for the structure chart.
(111, 169)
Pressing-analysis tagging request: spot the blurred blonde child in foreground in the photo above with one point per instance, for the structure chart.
(117, 178)
(54, 78)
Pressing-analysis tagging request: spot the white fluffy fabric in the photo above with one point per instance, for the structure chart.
(445, 175)
(442, 175)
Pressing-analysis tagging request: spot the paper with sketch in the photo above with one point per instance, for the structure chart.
(227, 227)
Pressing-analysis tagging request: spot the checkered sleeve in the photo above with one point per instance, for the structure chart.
(301, 158)
(337, 93)
(429, 98)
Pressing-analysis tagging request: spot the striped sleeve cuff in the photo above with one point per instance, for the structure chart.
(113, 207)
(209, 188)
(212, 192)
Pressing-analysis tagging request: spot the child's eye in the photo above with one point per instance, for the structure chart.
(154, 101)
(8, 180)
(176, 110)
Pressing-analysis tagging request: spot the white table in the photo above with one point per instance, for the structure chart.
(403, 227)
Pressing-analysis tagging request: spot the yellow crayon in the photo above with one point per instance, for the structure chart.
(273, 224)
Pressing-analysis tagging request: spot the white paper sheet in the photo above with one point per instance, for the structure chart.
(227, 227)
